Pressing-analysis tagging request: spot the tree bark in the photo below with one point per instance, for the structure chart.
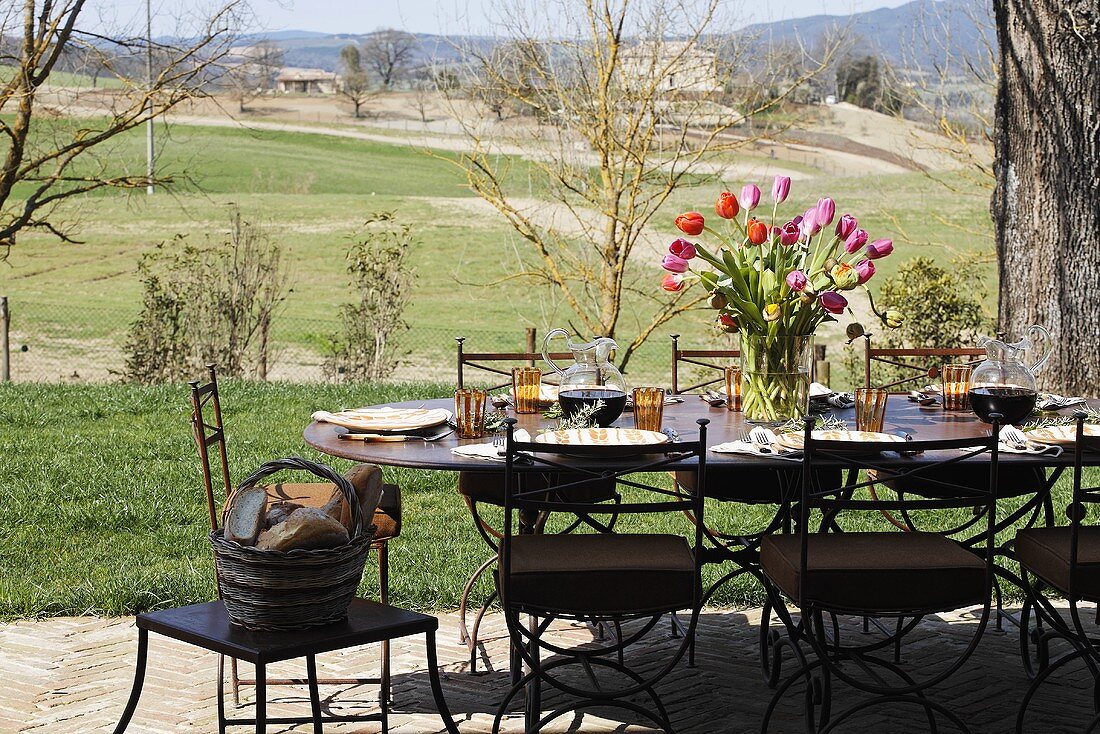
(1046, 204)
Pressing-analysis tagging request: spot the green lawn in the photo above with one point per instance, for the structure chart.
(104, 511)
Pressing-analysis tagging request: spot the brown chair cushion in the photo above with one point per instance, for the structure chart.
(387, 518)
(1011, 482)
(488, 487)
(602, 574)
(755, 486)
(877, 572)
(1046, 553)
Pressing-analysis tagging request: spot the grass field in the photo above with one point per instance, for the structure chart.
(313, 190)
(103, 511)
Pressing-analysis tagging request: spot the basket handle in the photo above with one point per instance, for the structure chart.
(320, 470)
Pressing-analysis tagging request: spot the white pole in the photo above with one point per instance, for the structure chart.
(149, 149)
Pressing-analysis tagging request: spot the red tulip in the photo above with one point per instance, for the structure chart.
(833, 302)
(690, 223)
(788, 233)
(880, 248)
(727, 323)
(757, 231)
(682, 248)
(673, 282)
(726, 206)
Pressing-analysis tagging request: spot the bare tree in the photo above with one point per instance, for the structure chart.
(355, 86)
(1046, 205)
(251, 71)
(388, 53)
(424, 92)
(633, 116)
(64, 157)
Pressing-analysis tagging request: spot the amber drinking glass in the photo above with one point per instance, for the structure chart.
(870, 409)
(525, 388)
(470, 412)
(956, 386)
(649, 408)
(733, 388)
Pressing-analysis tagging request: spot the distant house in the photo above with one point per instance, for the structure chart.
(294, 80)
(683, 68)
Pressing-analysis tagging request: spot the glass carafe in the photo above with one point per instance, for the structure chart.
(1003, 383)
(590, 380)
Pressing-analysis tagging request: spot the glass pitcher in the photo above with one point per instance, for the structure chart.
(1003, 383)
(590, 380)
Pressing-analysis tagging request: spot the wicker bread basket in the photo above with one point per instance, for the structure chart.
(277, 590)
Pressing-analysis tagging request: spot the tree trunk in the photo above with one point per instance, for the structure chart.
(1046, 205)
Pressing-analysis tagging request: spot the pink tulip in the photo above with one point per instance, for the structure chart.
(674, 264)
(682, 248)
(780, 188)
(797, 280)
(855, 240)
(866, 269)
(788, 233)
(673, 282)
(826, 208)
(880, 248)
(833, 302)
(845, 226)
(808, 226)
(750, 196)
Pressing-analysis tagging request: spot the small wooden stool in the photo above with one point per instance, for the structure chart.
(208, 626)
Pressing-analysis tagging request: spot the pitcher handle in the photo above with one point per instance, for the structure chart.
(1048, 339)
(546, 347)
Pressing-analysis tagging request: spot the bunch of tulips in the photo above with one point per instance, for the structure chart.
(775, 279)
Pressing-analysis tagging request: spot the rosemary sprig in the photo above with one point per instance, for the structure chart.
(1091, 416)
(821, 422)
(583, 418)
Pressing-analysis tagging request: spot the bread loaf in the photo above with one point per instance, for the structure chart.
(280, 512)
(247, 511)
(367, 481)
(307, 528)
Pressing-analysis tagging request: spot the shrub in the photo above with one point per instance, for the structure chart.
(377, 263)
(211, 304)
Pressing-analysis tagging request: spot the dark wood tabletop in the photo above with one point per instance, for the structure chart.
(902, 416)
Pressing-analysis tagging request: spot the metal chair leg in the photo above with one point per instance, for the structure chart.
(139, 681)
(314, 694)
(261, 698)
(236, 681)
(385, 696)
(437, 689)
(221, 694)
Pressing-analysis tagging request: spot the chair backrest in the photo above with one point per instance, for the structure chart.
(1086, 451)
(207, 434)
(479, 360)
(866, 466)
(715, 360)
(578, 469)
(923, 363)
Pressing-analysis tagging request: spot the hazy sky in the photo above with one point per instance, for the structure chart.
(448, 16)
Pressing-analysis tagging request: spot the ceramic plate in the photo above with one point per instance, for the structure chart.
(600, 440)
(374, 420)
(1060, 435)
(794, 440)
(548, 395)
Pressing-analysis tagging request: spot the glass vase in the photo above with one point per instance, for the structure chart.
(775, 377)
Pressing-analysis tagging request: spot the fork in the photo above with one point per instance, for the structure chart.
(761, 441)
(1014, 437)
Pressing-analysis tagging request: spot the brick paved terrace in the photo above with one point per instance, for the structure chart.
(72, 675)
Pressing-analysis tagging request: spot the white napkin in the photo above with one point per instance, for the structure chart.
(1054, 402)
(749, 447)
(1031, 447)
(488, 451)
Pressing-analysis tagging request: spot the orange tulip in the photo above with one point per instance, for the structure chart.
(757, 231)
(726, 206)
(690, 223)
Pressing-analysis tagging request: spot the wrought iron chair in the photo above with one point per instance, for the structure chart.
(386, 519)
(891, 575)
(479, 489)
(1065, 560)
(715, 360)
(924, 363)
(625, 580)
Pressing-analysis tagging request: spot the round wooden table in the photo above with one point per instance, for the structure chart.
(902, 416)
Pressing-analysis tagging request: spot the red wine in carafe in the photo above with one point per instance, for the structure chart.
(1014, 403)
(613, 403)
